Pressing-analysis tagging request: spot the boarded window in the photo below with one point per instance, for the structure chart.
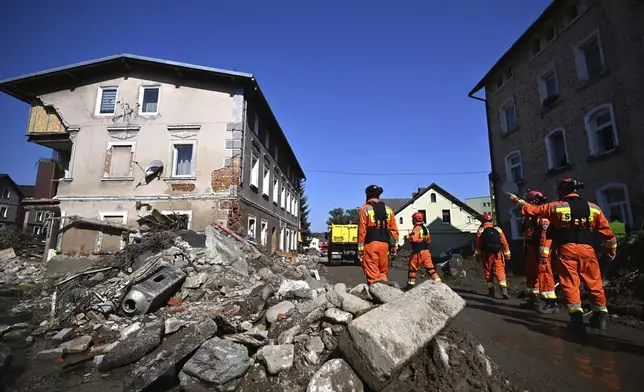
(111, 238)
(121, 161)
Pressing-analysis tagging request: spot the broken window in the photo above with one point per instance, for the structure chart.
(106, 100)
(6, 193)
(149, 99)
(556, 149)
(39, 216)
(267, 181)
(264, 238)
(601, 131)
(447, 217)
(182, 164)
(120, 161)
(254, 171)
(276, 191)
(36, 230)
(252, 223)
(3, 212)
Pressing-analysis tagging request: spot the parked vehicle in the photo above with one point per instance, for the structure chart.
(343, 243)
(463, 250)
(324, 248)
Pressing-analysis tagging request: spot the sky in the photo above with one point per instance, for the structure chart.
(364, 86)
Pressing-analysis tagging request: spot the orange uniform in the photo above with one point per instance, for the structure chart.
(538, 265)
(493, 262)
(376, 225)
(420, 254)
(574, 222)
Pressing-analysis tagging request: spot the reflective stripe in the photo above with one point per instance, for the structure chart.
(572, 308)
(610, 244)
(600, 308)
(437, 280)
(519, 202)
(360, 246)
(502, 283)
(411, 282)
(506, 253)
(477, 252)
(544, 250)
(535, 290)
(490, 284)
(549, 295)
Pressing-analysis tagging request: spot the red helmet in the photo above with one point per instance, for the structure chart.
(487, 218)
(417, 217)
(569, 185)
(535, 197)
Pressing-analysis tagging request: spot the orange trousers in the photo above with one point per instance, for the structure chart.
(424, 258)
(375, 261)
(539, 275)
(579, 262)
(494, 265)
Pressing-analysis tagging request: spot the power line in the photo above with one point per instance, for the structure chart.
(396, 174)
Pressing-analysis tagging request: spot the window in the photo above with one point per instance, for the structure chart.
(252, 223)
(187, 224)
(112, 241)
(149, 100)
(106, 100)
(432, 198)
(276, 190)
(256, 125)
(447, 218)
(503, 78)
(545, 37)
(548, 87)
(556, 149)
(601, 130)
(513, 167)
(573, 9)
(283, 201)
(183, 159)
(3, 212)
(266, 184)
(277, 151)
(589, 58)
(400, 220)
(424, 213)
(264, 235)
(508, 118)
(516, 223)
(614, 201)
(267, 141)
(6, 193)
(288, 201)
(36, 230)
(281, 246)
(293, 211)
(254, 171)
(40, 216)
(118, 162)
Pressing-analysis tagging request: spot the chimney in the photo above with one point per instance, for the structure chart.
(44, 188)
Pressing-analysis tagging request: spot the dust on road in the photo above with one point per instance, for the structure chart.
(535, 349)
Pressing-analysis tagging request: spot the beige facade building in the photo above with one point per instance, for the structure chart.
(566, 100)
(134, 134)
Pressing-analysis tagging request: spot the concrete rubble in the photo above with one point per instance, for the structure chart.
(238, 321)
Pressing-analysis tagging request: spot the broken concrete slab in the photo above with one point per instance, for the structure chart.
(380, 342)
(218, 362)
(78, 345)
(281, 308)
(334, 298)
(195, 281)
(135, 346)
(174, 349)
(53, 353)
(289, 287)
(336, 315)
(63, 335)
(172, 325)
(384, 293)
(277, 358)
(353, 304)
(335, 376)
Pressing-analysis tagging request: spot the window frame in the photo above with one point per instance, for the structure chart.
(180, 212)
(102, 216)
(142, 89)
(283, 196)
(276, 189)
(508, 171)
(288, 201)
(251, 217)
(99, 100)
(516, 230)
(8, 191)
(592, 133)
(603, 203)
(432, 197)
(36, 230)
(263, 224)
(266, 181)
(41, 215)
(424, 213)
(173, 158)
(543, 86)
(550, 148)
(579, 55)
(130, 177)
(254, 170)
(6, 212)
(449, 215)
(256, 124)
(503, 118)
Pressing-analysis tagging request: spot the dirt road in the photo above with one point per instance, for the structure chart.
(536, 350)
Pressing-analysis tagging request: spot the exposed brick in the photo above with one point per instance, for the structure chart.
(222, 179)
(184, 187)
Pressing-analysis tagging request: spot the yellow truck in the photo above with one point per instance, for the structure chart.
(343, 243)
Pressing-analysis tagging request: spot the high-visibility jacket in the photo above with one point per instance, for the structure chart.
(535, 234)
(569, 223)
(480, 248)
(419, 238)
(370, 230)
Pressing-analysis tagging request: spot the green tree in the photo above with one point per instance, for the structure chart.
(305, 225)
(336, 216)
(352, 215)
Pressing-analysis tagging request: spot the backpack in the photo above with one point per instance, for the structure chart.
(491, 240)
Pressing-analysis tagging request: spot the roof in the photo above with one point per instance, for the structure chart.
(15, 186)
(29, 87)
(547, 13)
(443, 193)
(395, 202)
(27, 190)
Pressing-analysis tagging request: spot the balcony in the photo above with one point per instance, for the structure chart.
(47, 129)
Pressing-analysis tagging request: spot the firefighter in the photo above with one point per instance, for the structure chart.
(377, 230)
(539, 279)
(492, 250)
(573, 224)
(419, 239)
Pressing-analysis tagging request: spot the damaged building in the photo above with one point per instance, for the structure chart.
(131, 135)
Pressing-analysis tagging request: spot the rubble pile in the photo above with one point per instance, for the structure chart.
(226, 317)
(24, 244)
(624, 278)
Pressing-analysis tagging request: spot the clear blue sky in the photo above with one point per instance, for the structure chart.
(359, 86)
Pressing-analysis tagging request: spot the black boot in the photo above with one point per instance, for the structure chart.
(531, 303)
(490, 292)
(576, 323)
(504, 292)
(549, 306)
(599, 320)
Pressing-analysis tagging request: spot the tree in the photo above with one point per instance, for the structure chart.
(339, 216)
(305, 225)
(352, 215)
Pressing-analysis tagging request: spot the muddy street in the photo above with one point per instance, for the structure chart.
(535, 350)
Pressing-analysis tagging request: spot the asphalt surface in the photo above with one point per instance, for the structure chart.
(536, 351)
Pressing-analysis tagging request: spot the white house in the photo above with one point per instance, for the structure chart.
(450, 221)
